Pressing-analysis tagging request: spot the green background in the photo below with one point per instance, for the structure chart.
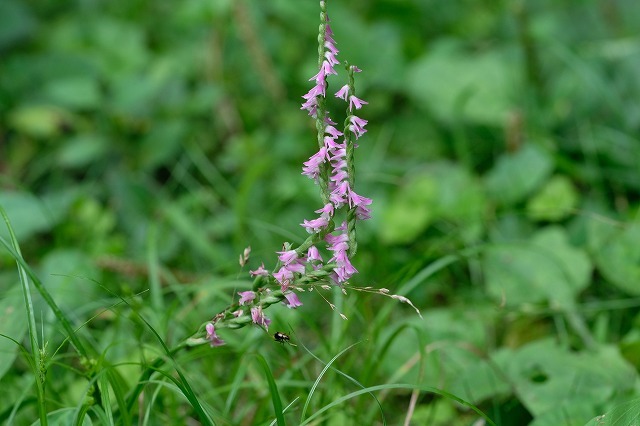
(145, 144)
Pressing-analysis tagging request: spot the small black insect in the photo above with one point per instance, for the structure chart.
(282, 338)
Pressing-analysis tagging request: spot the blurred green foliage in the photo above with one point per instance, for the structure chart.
(144, 140)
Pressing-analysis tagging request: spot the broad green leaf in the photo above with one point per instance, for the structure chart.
(410, 211)
(68, 276)
(459, 85)
(163, 143)
(547, 268)
(28, 214)
(445, 328)
(443, 191)
(625, 414)
(13, 325)
(567, 413)
(16, 22)
(544, 373)
(460, 196)
(618, 258)
(517, 175)
(82, 150)
(41, 121)
(479, 381)
(555, 201)
(74, 92)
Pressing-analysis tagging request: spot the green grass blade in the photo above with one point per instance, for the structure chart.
(273, 389)
(396, 386)
(319, 378)
(60, 316)
(31, 319)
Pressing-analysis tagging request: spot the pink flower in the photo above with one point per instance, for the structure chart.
(357, 126)
(246, 296)
(258, 317)
(363, 213)
(330, 142)
(343, 92)
(317, 90)
(320, 76)
(331, 58)
(260, 271)
(313, 254)
(296, 267)
(338, 176)
(339, 195)
(212, 337)
(339, 244)
(327, 68)
(284, 275)
(315, 225)
(292, 300)
(312, 167)
(326, 210)
(353, 101)
(331, 47)
(311, 105)
(288, 256)
(358, 200)
(332, 131)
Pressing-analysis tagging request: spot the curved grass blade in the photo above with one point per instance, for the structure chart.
(31, 319)
(273, 389)
(396, 386)
(321, 375)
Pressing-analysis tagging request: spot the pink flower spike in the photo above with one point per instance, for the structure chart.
(292, 300)
(212, 337)
(353, 101)
(343, 92)
(260, 271)
(246, 296)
